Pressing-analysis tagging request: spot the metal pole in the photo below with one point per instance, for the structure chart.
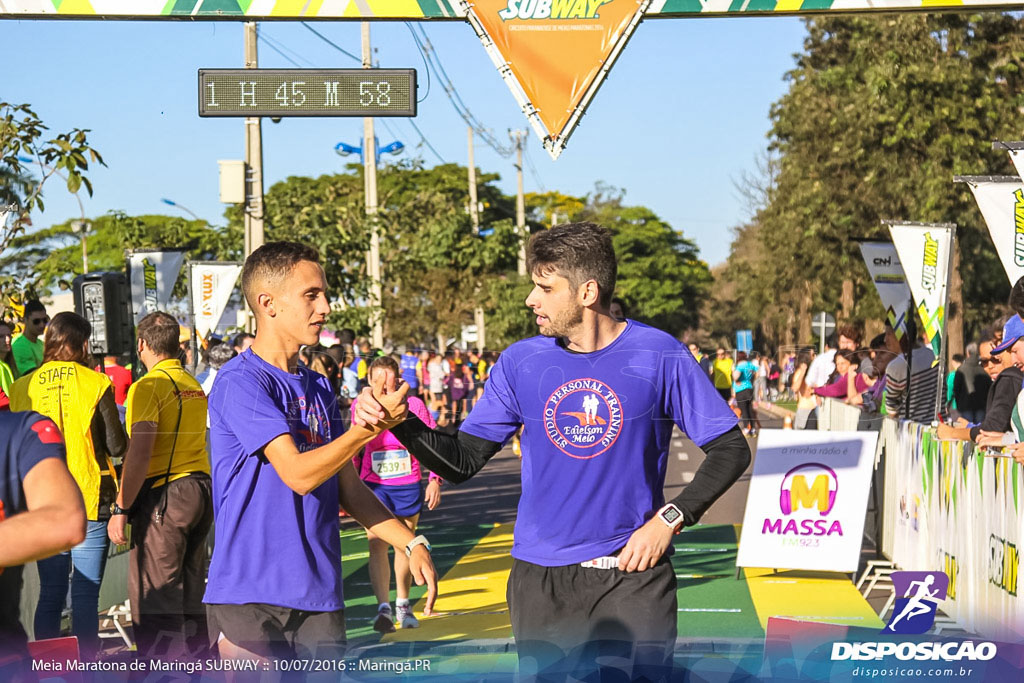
(85, 252)
(474, 215)
(911, 336)
(253, 214)
(370, 185)
(518, 136)
(193, 334)
(943, 346)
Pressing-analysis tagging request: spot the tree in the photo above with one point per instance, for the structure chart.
(431, 261)
(881, 112)
(50, 258)
(661, 278)
(22, 144)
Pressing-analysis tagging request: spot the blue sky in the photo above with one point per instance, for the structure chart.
(683, 113)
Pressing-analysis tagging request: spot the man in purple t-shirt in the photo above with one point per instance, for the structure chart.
(279, 459)
(598, 398)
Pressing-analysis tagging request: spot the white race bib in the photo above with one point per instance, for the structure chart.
(391, 464)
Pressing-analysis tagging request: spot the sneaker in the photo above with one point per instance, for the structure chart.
(384, 623)
(406, 618)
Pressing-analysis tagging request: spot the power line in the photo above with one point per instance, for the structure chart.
(331, 43)
(266, 41)
(283, 46)
(425, 141)
(426, 69)
(533, 169)
(434, 63)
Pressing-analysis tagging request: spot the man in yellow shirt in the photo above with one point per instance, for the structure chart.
(166, 495)
(721, 373)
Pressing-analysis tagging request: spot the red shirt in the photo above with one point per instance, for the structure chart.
(122, 379)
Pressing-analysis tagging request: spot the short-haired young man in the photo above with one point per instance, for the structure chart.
(165, 493)
(28, 346)
(599, 398)
(279, 458)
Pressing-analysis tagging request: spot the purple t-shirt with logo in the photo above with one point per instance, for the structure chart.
(273, 545)
(597, 429)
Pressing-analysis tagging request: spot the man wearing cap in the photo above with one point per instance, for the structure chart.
(1012, 344)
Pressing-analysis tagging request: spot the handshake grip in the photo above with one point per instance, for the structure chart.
(393, 404)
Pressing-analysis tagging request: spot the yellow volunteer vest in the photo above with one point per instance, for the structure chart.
(68, 394)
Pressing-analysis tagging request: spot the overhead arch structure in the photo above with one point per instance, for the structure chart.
(553, 54)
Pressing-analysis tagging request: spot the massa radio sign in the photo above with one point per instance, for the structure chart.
(806, 497)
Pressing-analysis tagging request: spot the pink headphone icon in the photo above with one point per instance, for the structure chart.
(785, 492)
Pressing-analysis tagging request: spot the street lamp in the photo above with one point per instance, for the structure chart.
(344, 149)
(171, 202)
(81, 228)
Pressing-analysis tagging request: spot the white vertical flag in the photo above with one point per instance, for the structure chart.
(1001, 201)
(212, 285)
(153, 274)
(924, 252)
(886, 272)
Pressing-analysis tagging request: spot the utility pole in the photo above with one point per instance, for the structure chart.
(518, 136)
(370, 185)
(474, 215)
(253, 214)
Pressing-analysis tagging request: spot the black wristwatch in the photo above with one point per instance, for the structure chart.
(116, 509)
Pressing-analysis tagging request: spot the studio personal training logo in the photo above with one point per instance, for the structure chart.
(583, 418)
(552, 9)
(808, 488)
(921, 592)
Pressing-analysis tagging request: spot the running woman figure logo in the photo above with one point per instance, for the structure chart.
(914, 613)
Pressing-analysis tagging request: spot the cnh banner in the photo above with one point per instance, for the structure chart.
(807, 500)
(924, 251)
(1001, 201)
(886, 271)
(152, 274)
(212, 285)
(554, 54)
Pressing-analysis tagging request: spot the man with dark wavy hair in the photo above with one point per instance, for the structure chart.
(599, 398)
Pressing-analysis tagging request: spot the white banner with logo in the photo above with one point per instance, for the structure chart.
(807, 500)
(924, 252)
(1002, 205)
(152, 275)
(212, 286)
(886, 272)
(956, 509)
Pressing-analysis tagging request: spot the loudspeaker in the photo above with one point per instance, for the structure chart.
(104, 299)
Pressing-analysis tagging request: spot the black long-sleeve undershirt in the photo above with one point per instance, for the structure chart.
(728, 457)
(457, 458)
(454, 458)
